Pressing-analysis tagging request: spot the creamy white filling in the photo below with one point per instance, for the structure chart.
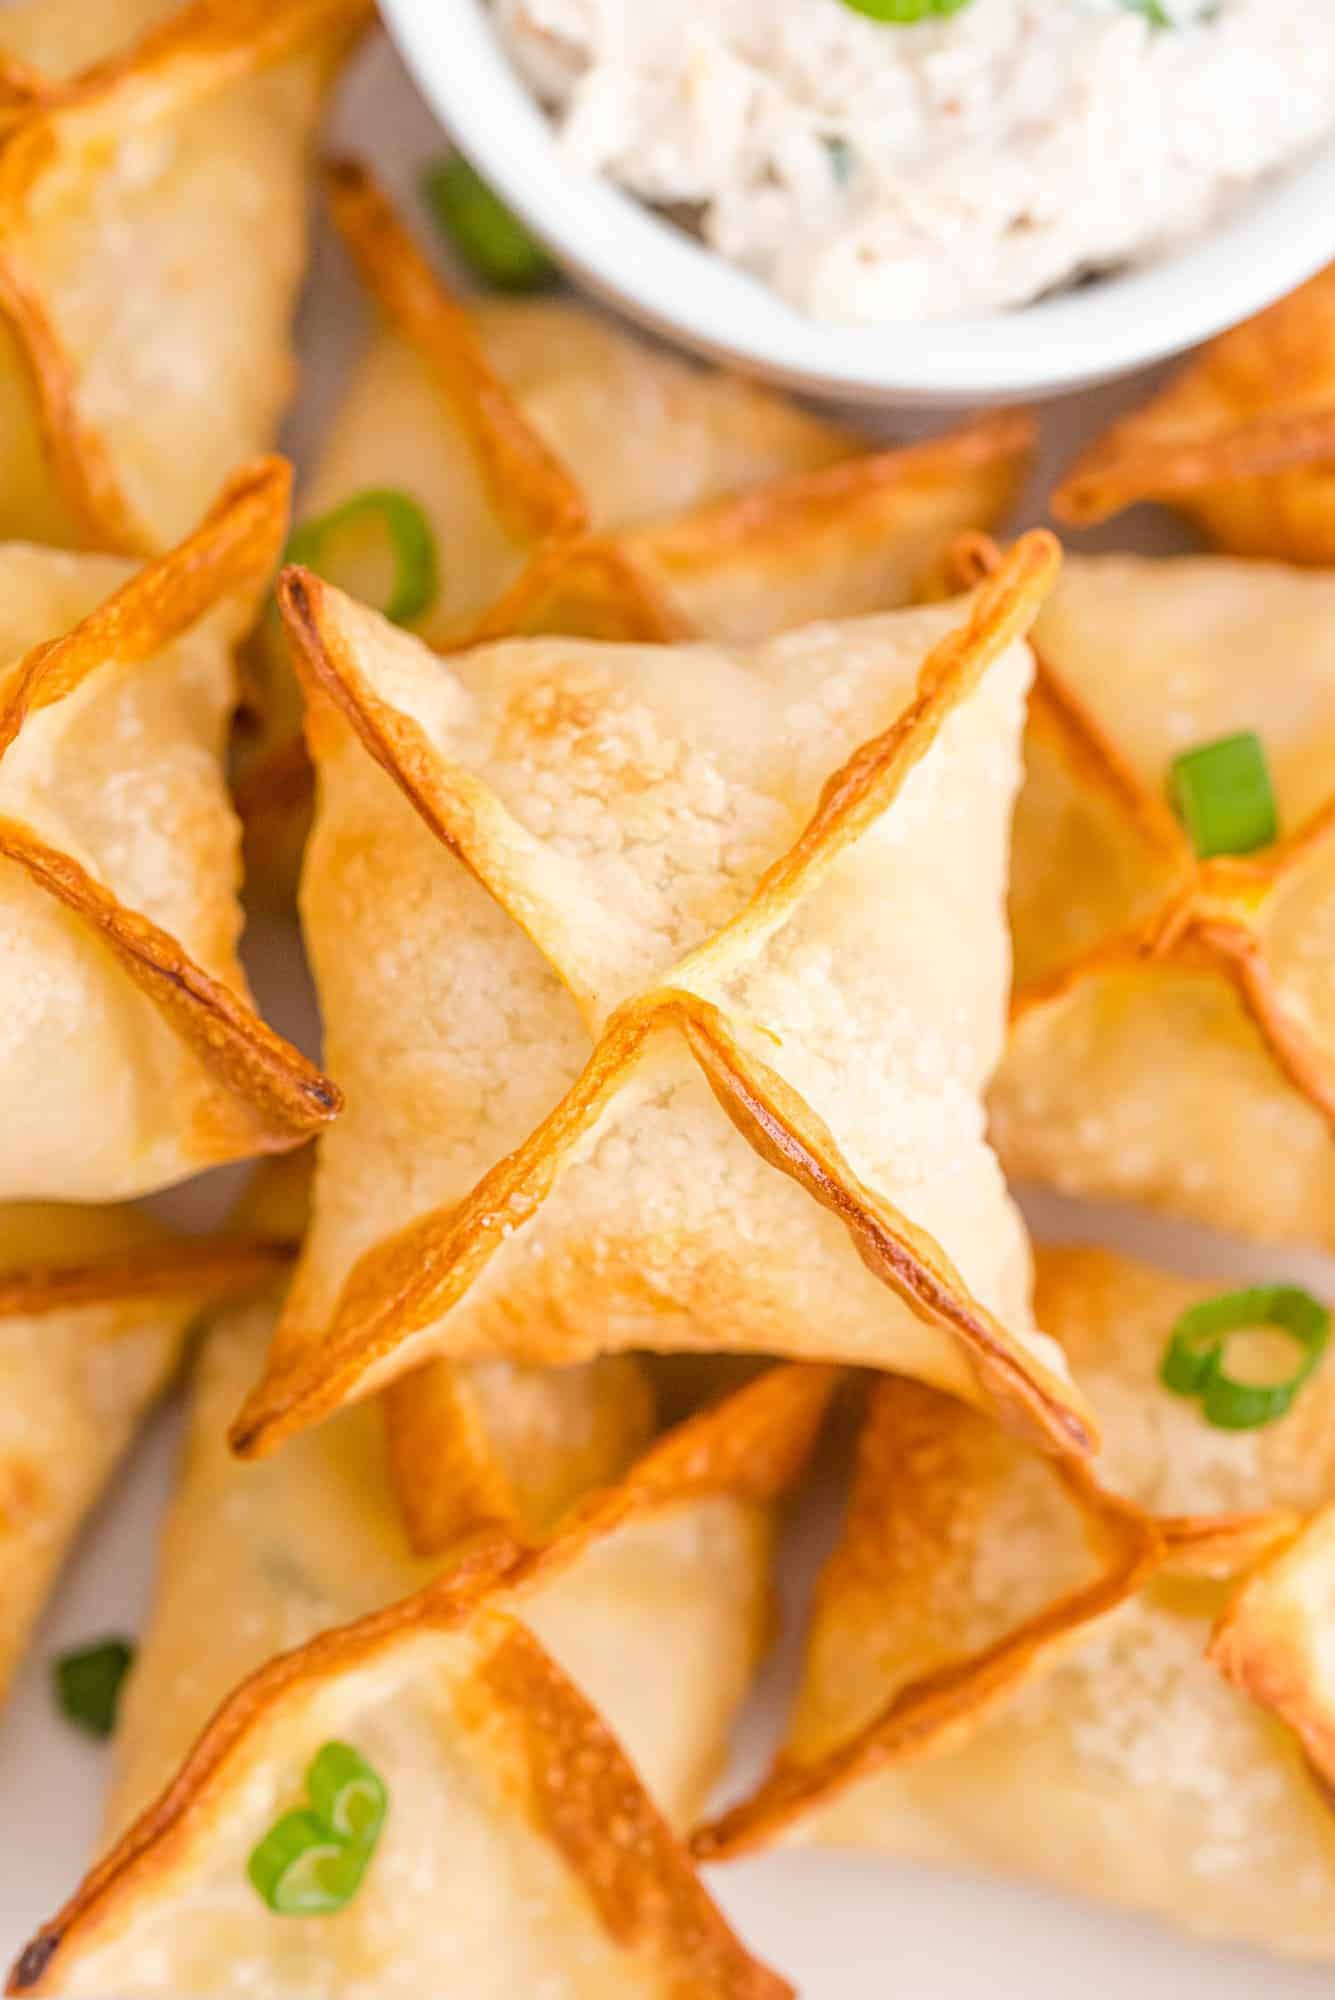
(877, 172)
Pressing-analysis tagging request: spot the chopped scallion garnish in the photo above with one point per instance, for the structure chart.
(335, 543)
(490, 238)
(841, 157)
(347, 1794)
(1223, 796)
(311, 1861)
(1194, 1362)
(88, 1683)
(903, 12)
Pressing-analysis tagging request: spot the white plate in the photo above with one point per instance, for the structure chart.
(843, 1927)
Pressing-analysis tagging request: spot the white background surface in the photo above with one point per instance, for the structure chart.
(843, 1927)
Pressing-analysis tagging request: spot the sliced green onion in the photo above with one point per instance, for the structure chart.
(380, 514)
(1194, 1359)
(492, 241)
(347, 1794)
(903, 12)
(88, 1684)
(1223, 796)
(301, 1869)
(311, 1861)
(841, 156)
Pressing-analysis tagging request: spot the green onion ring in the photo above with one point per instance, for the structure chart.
(312, 1860)
(416, 575)
(1193, 1361)
(347, 1794)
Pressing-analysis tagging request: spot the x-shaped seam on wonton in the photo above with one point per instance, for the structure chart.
(1196, 916)
(403, 1285)
(263, 1096)
(932, 1712)
(545, 1767)
(109, 370)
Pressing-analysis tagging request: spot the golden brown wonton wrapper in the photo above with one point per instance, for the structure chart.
(94, 1307)
(1241, 441)
(44, 42)
(1012, 1665)
(1173, 1025)
(708, 502)
(152, 238)
(131, 1055)
(624, 907)
(520, 1844)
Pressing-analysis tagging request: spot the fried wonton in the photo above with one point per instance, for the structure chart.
(1173, 1031)
(1108, 1685)
(95, 1305)
(130, 1055)
(520, 1845)
(697, 973)
(1241, 441)
(706, 502)
(519, 1852)
(153, 220)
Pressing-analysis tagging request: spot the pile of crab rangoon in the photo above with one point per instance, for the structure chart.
(679, 778)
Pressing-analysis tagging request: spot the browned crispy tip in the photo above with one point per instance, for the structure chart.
(272, 1097)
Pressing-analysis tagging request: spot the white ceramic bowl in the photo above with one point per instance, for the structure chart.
(657, 274)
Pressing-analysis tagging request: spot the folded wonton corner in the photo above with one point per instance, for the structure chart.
(1241, 441)
(132, 1056)
(148, 210)
(1173, 1021)
(1143, 1655)
(619, 1096)
(730, 512)
(521, 1845)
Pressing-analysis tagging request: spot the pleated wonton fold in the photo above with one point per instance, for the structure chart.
(520, 1846)
(1173, 1033)
(150, 212)
(95, 1305)
(1140, 1656)
(698, 972)
(130, 1055)
(1241, 440)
